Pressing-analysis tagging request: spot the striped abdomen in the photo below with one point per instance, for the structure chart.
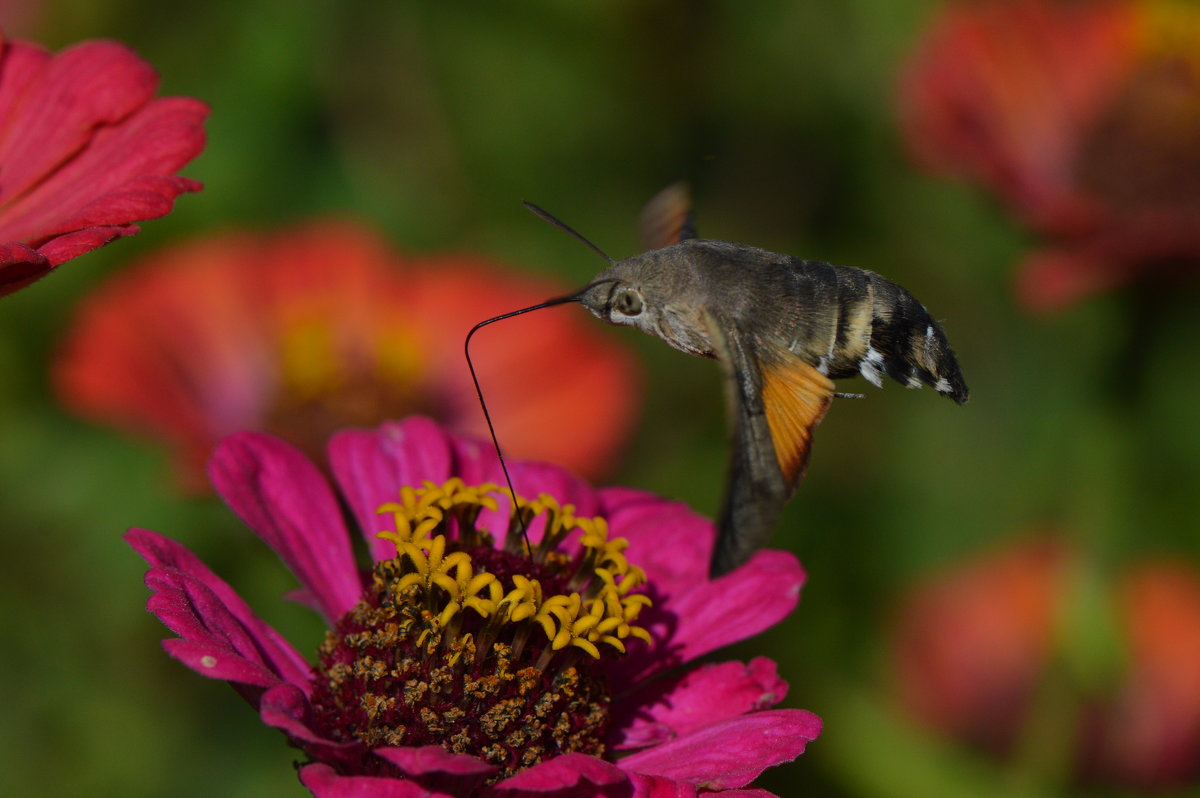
(851, 321)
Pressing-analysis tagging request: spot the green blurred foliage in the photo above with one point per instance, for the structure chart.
(434, 120)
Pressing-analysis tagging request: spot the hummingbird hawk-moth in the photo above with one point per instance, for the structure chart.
(782, 328)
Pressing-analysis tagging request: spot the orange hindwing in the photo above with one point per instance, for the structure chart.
(795, 398)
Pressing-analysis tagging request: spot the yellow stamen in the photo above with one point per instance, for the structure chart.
(599, 613)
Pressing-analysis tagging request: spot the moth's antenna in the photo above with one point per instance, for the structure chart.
(546, 215)
(488, 416)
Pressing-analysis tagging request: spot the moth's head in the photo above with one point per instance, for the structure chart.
(628, 292)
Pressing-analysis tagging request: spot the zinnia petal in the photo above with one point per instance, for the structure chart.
(369, 465)
(85, 151)
(569, 774)
(705, 615)
(325, 782)
(669, 540)
(175, 565)
(437, 769)
(84, 87)
(285, 500)
(125, 174)
(730, 753)
(666, 709)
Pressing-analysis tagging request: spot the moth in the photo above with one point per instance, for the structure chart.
(782, 329)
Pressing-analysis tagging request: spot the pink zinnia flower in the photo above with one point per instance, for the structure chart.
(320, 327)
(462, 665)
(85, 150)
(1083, 117)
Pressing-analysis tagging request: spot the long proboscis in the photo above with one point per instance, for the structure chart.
(562, 300)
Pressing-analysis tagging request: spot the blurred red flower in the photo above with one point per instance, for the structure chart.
(1148, 734)
(85, 150)
(319, 328)
(969, 647)
(975, 649)
(1083, 117)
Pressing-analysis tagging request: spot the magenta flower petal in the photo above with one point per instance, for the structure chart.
(644, 786)
(433, 767)
(287, 708)
(674, 708)
(529, 479)
(478, 458)
(740, 604)
(667, 538)
(325, 782)
(212, 640)
(286, 501)
(704, 614)
(532, 478)
(161, 552)
(21, 265)
(569, 774)
(730, 753)
(425, 759)
(216, 660)
(369, 465)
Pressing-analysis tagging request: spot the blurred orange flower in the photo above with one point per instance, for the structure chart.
(975, 649)
(1083, 117)
(1148, 734)
(320, 328)
(969, 647)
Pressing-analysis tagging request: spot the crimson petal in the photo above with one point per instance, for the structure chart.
(54, 115)
(84, 152)
(124, 174)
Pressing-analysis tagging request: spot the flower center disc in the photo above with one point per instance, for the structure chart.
(489, 652)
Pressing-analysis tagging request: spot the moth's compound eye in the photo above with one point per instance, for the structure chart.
(628, 303)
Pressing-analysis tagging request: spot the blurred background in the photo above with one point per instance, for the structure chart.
(984, 581)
